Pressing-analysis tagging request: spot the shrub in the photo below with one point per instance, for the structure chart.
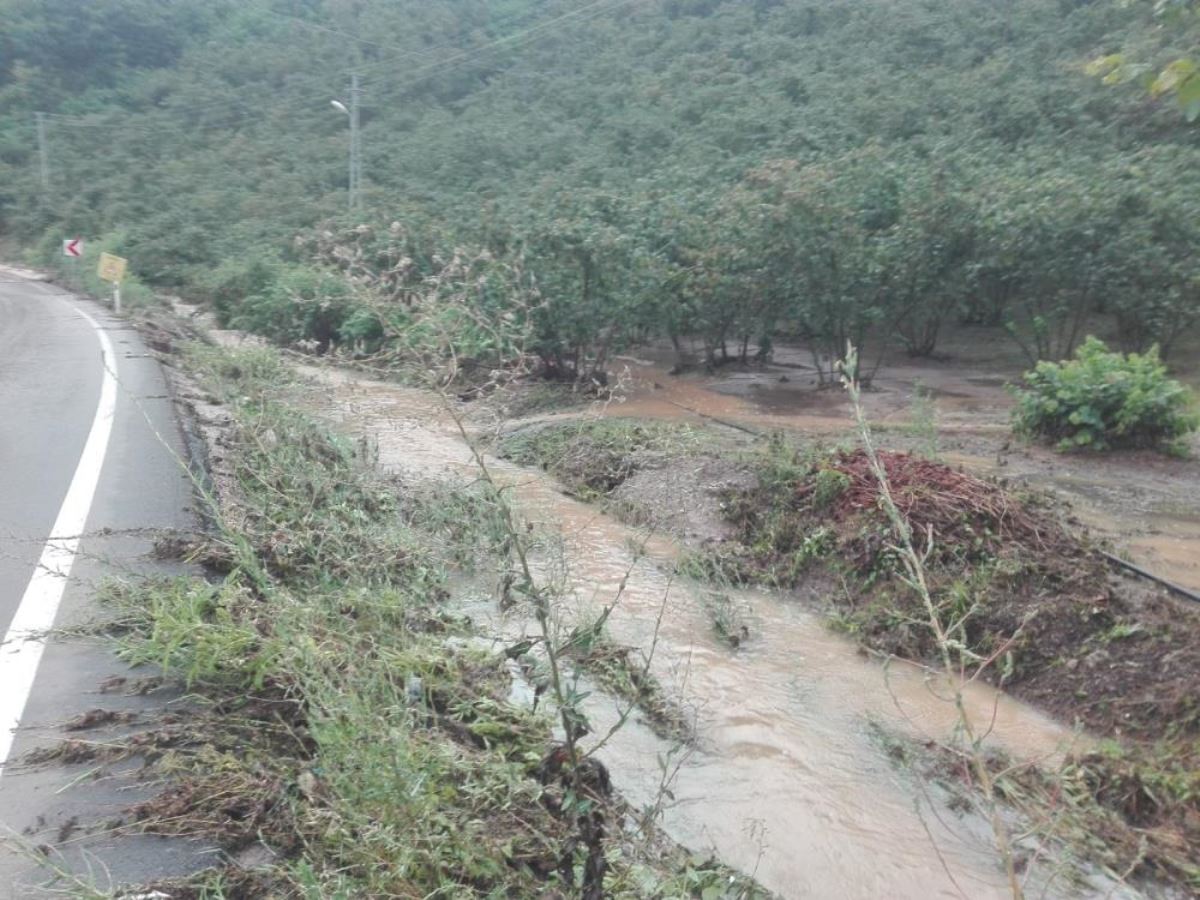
(298, 303)
(236, 279)
(1102, 399)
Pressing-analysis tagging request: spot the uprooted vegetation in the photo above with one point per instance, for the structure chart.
(1034, 607)
(1031, 603)
(347, 717)
(1040, 596)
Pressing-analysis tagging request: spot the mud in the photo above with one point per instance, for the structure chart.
(1146, 504)
(787, 778)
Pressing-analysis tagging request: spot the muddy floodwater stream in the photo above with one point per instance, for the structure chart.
(788, 778)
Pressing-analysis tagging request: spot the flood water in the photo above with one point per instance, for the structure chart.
(1147, 504)
(788, 778)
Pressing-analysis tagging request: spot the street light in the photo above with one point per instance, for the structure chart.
(355, 147)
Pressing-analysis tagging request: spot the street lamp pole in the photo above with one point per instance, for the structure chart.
(355, 145)
(355, 184)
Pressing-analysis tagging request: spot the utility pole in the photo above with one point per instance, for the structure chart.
(43, 156)
(355, 146)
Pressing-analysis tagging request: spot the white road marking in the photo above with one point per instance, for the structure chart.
(21, 649)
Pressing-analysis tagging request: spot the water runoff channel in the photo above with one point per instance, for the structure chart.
(788, 777)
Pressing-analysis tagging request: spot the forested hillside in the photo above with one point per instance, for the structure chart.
(606, 171)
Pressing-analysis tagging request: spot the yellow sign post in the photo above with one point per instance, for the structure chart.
(112, 269)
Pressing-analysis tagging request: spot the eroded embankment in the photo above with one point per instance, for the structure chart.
(1147, 504)
(788, 777)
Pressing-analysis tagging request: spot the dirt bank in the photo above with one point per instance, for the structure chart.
(787, 777)
(1113, 652)
(1146, 504)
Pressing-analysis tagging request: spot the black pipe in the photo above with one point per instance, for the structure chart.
(1138, 570)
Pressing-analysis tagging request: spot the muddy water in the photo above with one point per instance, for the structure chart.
(787, 779)
(1148, 506)
(1171, 546)
(1138, 512)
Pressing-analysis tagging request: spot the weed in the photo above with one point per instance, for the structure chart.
(922, 421)
(728, 619)
(352, 725)
(594, 456)
(828, 487)
(956, 659)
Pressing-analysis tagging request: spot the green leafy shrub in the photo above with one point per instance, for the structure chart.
(1102, 399)
(233, 280)
(299, 303)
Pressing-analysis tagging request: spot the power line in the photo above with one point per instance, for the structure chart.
(328, 30)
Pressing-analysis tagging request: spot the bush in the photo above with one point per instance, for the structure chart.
(234, 280)
(295, 304)
(1101, 400)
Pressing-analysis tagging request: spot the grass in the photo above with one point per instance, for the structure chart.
(345, 716)
(615, 668)
(594, 456)
(728, 619)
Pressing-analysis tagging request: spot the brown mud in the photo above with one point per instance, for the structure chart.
(1146, 504)
(786, 778)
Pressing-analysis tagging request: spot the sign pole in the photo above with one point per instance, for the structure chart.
(112, 270)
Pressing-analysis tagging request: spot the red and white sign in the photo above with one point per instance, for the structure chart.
(73, 248)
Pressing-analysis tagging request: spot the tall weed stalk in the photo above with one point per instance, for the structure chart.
(959, 664)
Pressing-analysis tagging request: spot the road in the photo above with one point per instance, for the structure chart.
(89, 450)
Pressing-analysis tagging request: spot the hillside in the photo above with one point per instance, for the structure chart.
(649, 132)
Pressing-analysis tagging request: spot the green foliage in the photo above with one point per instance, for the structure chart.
(1178, 78)
(594, 456)
(229, 284)
(828, 486)
(923, 421)
(1101, 400)
(298, 304)
(365, 732)
(554, 187)
(196, 629)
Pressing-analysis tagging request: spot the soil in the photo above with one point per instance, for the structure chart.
(1146, 504)
(1117, 654)
(681, 497)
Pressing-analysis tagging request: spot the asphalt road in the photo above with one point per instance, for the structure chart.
(89, 442)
